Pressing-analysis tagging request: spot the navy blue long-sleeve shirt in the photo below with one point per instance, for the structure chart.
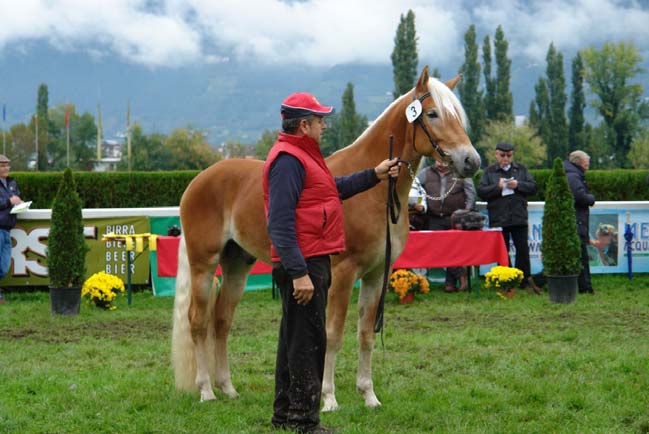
(285, 183)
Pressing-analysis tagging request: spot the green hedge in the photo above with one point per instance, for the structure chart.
(108, 189)
(153, 189)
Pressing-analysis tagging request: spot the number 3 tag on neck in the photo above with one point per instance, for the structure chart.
(413, 111)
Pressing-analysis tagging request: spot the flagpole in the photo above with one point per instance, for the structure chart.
(4, 127)
(128, 134)
(98, 133)
(67, 131)
(36, 141)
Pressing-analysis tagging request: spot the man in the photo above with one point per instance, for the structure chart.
(576, 166)
(9, 196)
(305, 224)
(505, 186)
(445, 194)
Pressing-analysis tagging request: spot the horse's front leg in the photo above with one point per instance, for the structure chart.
(201, 285)
(234, 280)
(368, 300)
(337, 304)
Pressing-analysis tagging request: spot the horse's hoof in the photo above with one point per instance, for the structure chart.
(371, 401)
(229, 390)
(207, 395)
(330, 404)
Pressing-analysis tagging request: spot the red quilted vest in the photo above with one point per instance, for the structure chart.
(319, 216)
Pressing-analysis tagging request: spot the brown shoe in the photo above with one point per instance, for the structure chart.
(450, 288)
(532, 284)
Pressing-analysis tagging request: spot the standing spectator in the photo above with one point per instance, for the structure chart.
(9, 196)
(445, 194)
(505, 186)
(305, 224)
(576, 166)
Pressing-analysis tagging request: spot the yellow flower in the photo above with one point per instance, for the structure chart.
(101, 289)
(503, 278)
(404, 281)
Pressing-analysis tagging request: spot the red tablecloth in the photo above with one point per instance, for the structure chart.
(438, 249)
(424, 249)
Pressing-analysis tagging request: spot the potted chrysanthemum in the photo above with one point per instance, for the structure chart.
(503, 280)
(406, 284)
(101, 289)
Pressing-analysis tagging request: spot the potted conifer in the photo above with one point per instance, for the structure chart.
(66, 249)
(561, 247)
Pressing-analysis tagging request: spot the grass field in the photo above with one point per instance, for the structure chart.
(452, 363)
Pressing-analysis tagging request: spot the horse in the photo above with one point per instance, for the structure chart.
(223, 222)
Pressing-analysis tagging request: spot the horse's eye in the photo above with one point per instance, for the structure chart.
(432, 114)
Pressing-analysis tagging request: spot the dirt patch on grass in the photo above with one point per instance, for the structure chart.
(113, 330)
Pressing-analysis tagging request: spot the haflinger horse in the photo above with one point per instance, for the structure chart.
(223, 222)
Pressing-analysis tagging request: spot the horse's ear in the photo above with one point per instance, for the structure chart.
(422, 83)
(453, 81)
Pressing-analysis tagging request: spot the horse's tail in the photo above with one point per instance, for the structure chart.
(183, 357)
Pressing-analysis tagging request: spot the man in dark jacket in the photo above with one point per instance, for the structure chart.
(576, 166)
(505, 186)
(9, 196)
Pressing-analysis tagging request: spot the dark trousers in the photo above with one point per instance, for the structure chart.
(584, 277)
(442, 223)
(301, 348)
(518, 235)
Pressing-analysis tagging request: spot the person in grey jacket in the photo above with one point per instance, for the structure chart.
(576, 166)
(505, 186)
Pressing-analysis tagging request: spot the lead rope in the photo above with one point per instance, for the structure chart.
(392, 213)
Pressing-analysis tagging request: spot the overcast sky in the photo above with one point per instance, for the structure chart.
(159, 33)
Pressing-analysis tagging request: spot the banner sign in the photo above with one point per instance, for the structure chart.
(29, 251)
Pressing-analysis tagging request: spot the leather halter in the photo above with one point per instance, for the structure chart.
(422, 124)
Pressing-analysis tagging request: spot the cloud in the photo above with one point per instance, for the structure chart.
(160, 33)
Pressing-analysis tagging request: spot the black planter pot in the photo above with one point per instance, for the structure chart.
(562, 289)
(65, 301)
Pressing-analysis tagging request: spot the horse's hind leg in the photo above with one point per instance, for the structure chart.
(235, 269)
(368, 300)
(338, 302)
(201, 293)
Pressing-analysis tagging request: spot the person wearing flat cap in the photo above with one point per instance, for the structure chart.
(9, 196)
(302, 201)
(505, 187)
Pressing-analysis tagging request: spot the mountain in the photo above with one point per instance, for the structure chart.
(230, 100)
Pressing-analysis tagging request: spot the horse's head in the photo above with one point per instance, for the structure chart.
(440, 125)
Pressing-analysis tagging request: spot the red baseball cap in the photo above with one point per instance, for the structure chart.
(302, 104)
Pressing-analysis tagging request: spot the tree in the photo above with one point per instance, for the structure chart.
(556, 134)
(404, 55)
(471, 97)
(540, 118)
(639, 154)
(608, 71)
(504, 102)
(530, 149)
(330, 141)
(490, 83)
(436, 73)
(576, 139)
(265, 143)
(20, 146)
(189, 150)
(148, 152)
(352, 124)
(344, 127)
(43, 127)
